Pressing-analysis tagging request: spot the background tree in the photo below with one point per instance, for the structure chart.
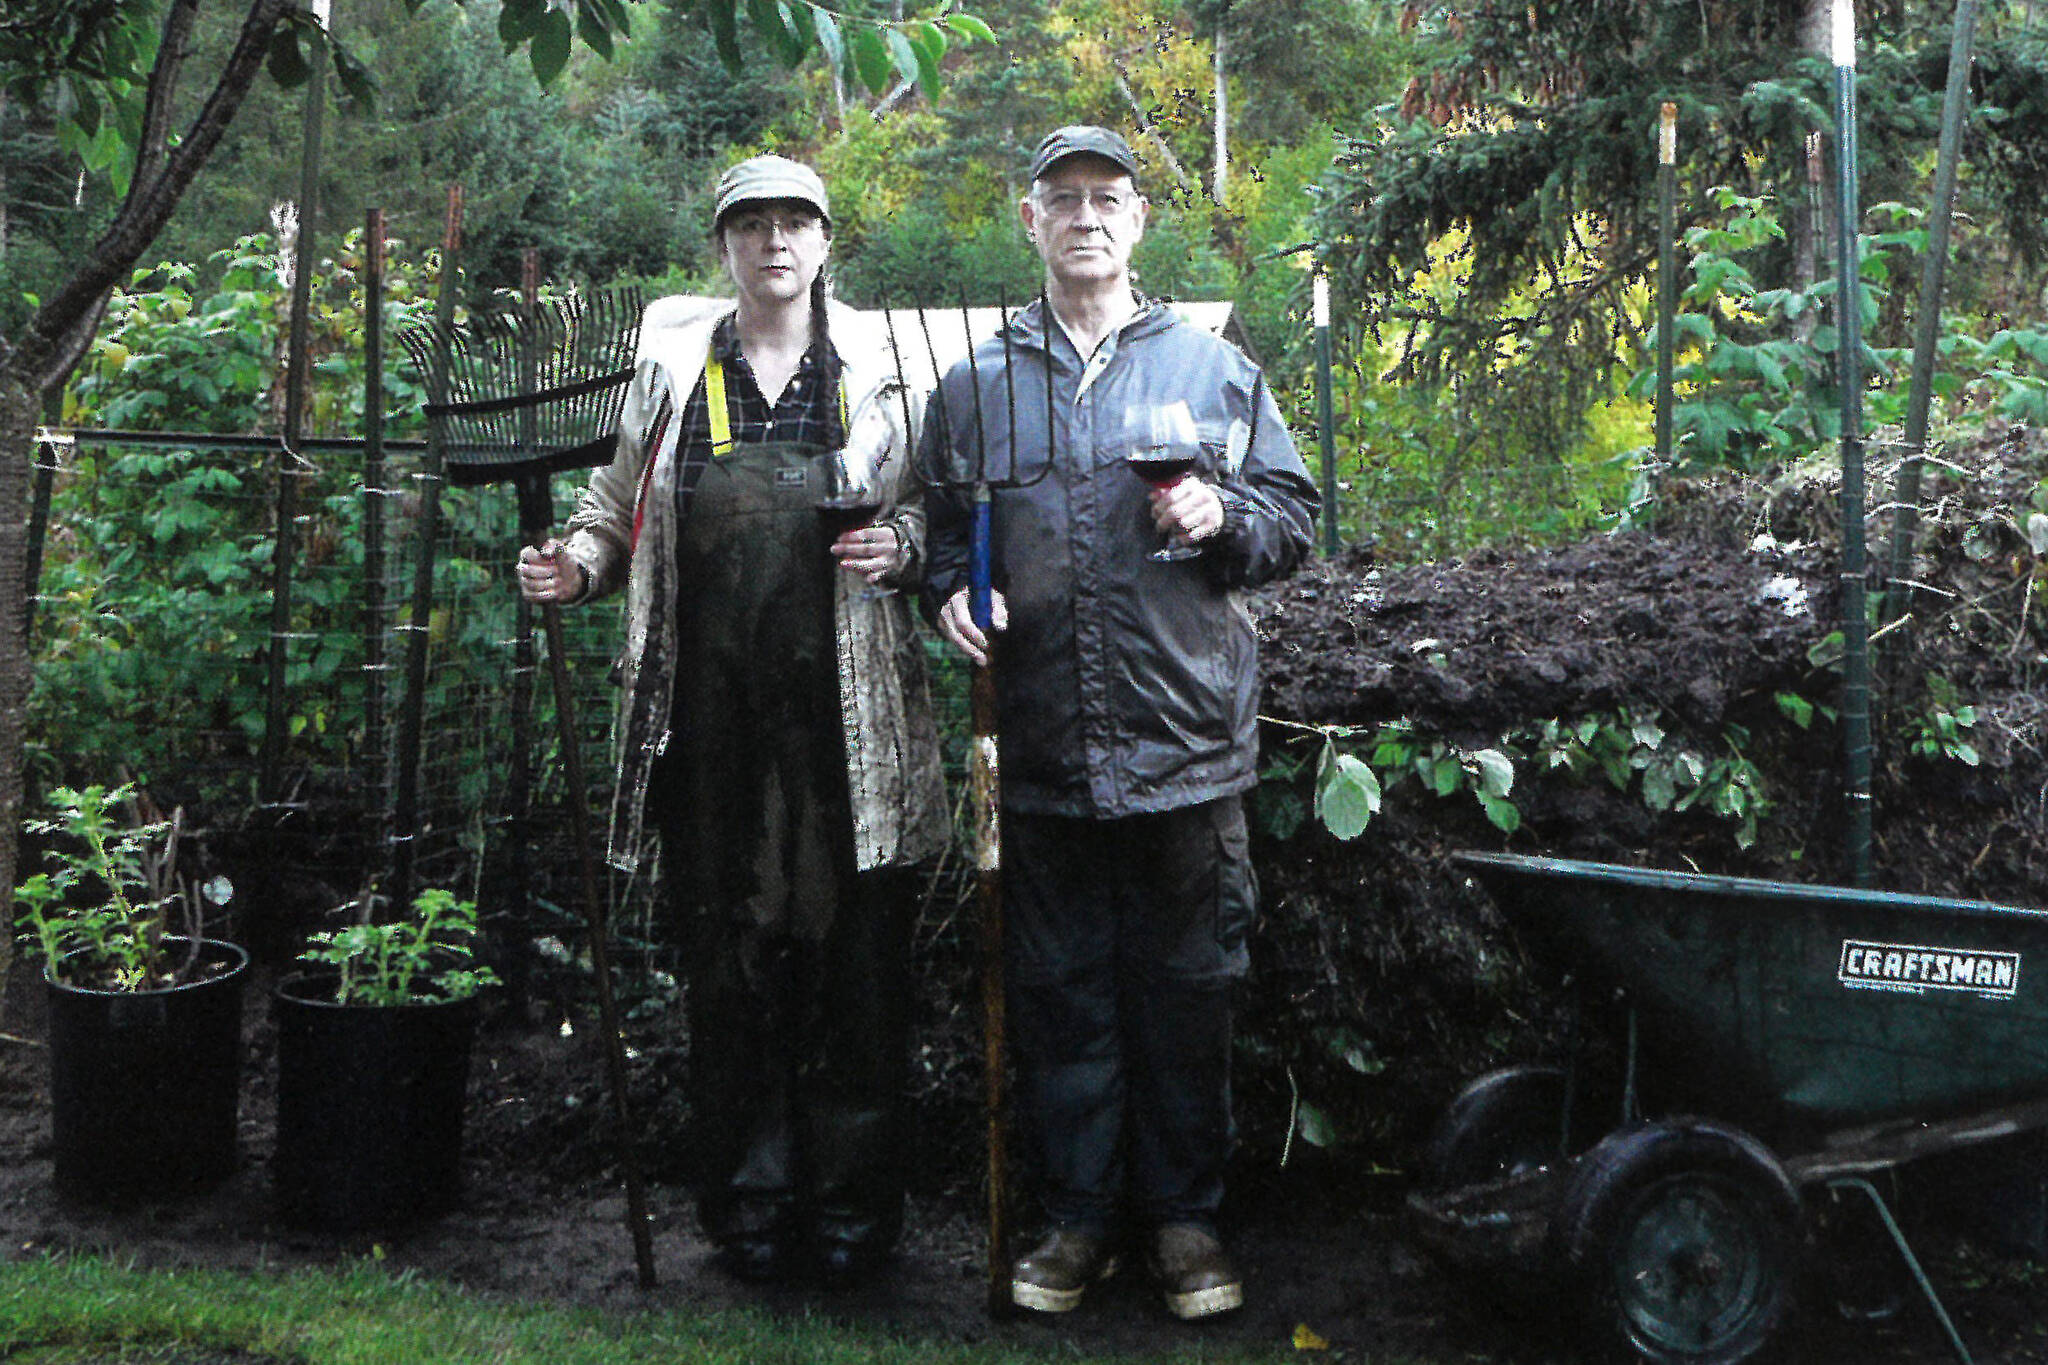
(1528, 142)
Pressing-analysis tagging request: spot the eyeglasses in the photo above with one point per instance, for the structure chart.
(1106, 203)
(763, 223)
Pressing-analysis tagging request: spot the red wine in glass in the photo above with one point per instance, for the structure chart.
(1163, 467)
(840, 515)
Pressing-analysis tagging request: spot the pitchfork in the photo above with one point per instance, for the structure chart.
(527, 394)
(984, 786)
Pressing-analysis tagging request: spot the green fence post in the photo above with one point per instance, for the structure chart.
(1325, 405)
(1667, 275)
(1849, 356)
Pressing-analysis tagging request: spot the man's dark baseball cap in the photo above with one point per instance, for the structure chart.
(1083, 139)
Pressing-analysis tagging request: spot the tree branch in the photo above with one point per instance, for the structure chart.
(50, 344)
(1123, 86)
(163, 84)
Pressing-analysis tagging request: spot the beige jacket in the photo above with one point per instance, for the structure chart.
(623, 533)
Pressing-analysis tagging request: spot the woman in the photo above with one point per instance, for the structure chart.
(775, 726)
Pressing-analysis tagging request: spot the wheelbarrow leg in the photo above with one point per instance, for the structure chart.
(1898, 1236)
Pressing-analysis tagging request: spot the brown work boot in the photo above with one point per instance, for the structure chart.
(1193, 1273)
(1052, 1276)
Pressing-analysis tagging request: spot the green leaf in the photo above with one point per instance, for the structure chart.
(829, 41)
(796, 23)
(927, 34)
(1314, 1126)
(550, 51)
(1446, 775)
(592, 27)
(1347, 795)
(287, 59)
(1660, 789)
(356, 81)
(971, 28)
(927, 67)
(723, 17)
(519, 21)
(766, 17)
(1496, 772)
(1504, 814)
(903, 57)
(871, 58)
(1796, 708)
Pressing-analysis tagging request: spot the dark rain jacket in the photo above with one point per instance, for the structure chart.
(1124, 685)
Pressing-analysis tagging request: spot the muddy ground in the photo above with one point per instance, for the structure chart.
(1383, 979)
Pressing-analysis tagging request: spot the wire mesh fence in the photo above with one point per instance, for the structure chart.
(152, 635)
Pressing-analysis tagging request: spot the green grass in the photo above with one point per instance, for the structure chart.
(89, 1311)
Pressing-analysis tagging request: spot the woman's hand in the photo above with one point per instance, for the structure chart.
(549, 575)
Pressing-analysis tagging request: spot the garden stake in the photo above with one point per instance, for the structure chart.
(984, 781)
(567, 367)
(433, 365)
(1326, 421)
(1849, 326)
(374, 491)
(1927, 330)
(1667, 274)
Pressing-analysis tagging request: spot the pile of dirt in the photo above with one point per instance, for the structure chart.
(1385, 978)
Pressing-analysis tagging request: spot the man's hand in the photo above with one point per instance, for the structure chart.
(870, 551)
(1189, 511)
(956, 623)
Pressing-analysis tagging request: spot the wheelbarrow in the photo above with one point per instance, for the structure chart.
(1811, 1037)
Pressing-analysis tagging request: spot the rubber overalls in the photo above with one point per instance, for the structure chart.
(797, 969)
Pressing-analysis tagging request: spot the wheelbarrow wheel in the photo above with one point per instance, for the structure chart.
(1680, 1241)
(1505, 1123)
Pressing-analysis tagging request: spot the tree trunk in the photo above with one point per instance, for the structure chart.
(1816, 27)
(1222, 120)
(17, 432)
(51, 345)
(3, 187)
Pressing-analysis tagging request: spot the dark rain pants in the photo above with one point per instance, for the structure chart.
(1125, 939)
(797, 965)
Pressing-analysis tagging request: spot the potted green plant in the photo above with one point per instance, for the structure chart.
(145, 1011)
(373, 1049)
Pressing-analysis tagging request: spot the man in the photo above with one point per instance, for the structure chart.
(1127, 699)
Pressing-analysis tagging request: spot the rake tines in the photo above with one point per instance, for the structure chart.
(530, 391)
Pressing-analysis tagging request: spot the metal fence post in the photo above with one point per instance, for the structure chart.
(374, 492)
(1849, 356)
(1325, 405)
(1667, 275)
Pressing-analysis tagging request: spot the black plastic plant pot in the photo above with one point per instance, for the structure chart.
(144, 1084)
(369, 1108)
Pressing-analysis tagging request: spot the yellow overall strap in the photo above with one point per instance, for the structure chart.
(714, 405)
(721, 420)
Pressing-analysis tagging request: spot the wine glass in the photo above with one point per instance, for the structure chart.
(849, 499)
(1163, 448)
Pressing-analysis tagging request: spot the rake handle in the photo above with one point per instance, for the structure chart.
(639, 1225)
